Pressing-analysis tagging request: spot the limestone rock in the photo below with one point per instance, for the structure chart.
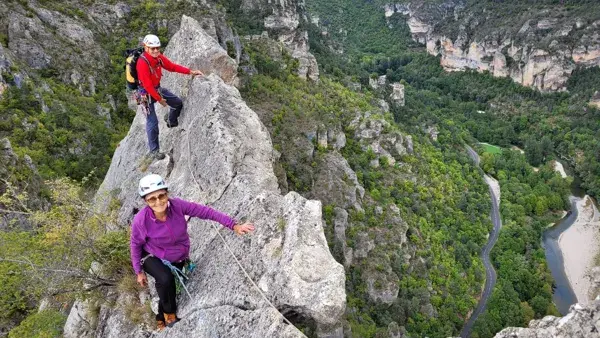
(66, 27)
(409, 144)
(383, 286)
(322, 137)
(203, 52)
(10, 164)
(7, 154)
(385, 107)
(580, 322)
(23, 36)
(396, 331)
(373, 83)
(108, 15)
(221, 155)
(363, 245)
(78, 323)
(397, 95)
(337, 138)
(42, 38)
(336, 183)
(595, 101)
(433, 132)
(340, 224)
(283, 23)
(373, 133)
(537, 55)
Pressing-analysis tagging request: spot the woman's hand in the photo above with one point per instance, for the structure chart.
(245, 228)
(141, 279)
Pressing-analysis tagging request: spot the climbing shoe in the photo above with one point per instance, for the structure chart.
(169, 124)
(171, 319)
(156, 155)
(160, 325)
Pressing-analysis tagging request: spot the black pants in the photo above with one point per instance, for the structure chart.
(165, 285)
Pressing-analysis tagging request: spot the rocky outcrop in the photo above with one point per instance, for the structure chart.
(375, 133)
(595, 101)
(336, 182)
(203, 52)
(283, 23)
(580, 322)
(222, 155)
(45, 39)
(19, 195)
(538, 49)
(397, 95)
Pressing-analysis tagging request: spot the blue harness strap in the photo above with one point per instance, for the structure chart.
(180, 275)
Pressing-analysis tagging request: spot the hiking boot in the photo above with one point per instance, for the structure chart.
(170, 319)
(160, 325)
(169, 124)
(157, 155)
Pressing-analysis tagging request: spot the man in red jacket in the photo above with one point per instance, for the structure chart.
(149, 71)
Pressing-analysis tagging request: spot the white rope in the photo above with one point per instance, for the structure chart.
(223, 239)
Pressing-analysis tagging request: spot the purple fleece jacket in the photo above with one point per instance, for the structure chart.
(168, 240)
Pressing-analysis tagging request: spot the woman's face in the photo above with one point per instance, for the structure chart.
(157, 200)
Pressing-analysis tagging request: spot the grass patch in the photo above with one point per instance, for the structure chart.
(488, 148)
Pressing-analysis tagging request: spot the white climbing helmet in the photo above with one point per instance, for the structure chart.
(151, 183)
(151, 40)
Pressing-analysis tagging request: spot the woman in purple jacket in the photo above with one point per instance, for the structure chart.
(159, 231)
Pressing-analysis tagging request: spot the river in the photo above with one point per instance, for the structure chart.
(563, 296)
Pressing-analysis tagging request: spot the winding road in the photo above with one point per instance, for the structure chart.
(490, 273)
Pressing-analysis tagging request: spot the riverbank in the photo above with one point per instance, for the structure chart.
(560, 169)
(580, 244)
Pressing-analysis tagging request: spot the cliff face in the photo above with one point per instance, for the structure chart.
(538, 48)
(43, 38)
(222, 155)
(283, 22)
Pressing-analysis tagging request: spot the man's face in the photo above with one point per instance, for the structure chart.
(153, 51)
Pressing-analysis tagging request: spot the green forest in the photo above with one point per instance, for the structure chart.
(546, 126)
(438, 191)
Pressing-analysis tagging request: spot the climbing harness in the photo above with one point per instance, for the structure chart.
(141, 97)
(223, 239)
(180, 275)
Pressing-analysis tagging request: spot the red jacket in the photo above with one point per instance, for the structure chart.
(150, 80)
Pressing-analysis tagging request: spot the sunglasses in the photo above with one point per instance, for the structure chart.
(154, 48)
(160, 197)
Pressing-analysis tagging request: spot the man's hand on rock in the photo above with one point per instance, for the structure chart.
(196, 72)
(242, 229)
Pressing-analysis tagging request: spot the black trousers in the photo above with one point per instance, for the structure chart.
(165, 285)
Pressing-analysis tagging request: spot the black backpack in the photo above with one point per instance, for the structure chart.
(131, 58)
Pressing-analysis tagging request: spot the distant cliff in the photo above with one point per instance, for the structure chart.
(537, 47)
